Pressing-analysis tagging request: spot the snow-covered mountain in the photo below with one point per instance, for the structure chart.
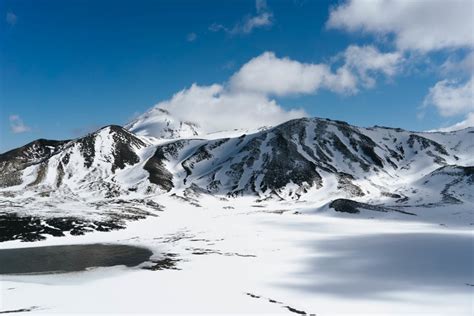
(86, 165)
(298, 159)
(294, 203)
(310, 160)
(159, 123)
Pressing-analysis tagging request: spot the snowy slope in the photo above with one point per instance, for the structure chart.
(299, 159)
(83, 166)
(159, 123)
(313, 161)
(303, 157)
(311, 216)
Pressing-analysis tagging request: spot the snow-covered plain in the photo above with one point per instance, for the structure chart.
(236, 256)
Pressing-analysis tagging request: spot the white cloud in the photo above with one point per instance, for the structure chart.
(272, 75)
(263, 18)
(342, 81)
(451, 98)
(214, 108)
(468, 122)
(17, 125)
(191, 37)
(245, 101)
(367, 60)
(282, 76)
(422, 25)
(252, 22)
(11, 18)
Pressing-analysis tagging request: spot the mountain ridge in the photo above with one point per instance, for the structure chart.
(355, 146)
(114, 175)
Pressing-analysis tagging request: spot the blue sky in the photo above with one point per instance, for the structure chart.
(68, 67)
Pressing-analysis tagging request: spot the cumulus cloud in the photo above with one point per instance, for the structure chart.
(263, 18)
(246, 99)
(17, 125)
(282, 76)
(422, 25)
(11, 18)
(451, 98)
(368, 60)
(214, 108)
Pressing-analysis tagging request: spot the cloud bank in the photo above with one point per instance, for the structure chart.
(422, 25)
(214, 108)
(246, 100)
(361, 65)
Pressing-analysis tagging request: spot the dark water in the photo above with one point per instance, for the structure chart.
(69, 258)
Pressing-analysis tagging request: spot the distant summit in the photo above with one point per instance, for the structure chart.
(159, 123)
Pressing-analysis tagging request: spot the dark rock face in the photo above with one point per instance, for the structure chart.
(113, 214)
(345, 183)
(361, 144)
(123, 143)
(31, 228)
(87, 145)
(287, 164)
(124, 153)
(425, 143)
(287, 160)
(39, 152)
(159, 175)
(13, 162)
(296, 153)
(200, 154)
(469, 171)
(353, 207)
(345, 206)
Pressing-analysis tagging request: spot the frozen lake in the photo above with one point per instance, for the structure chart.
(69, 258)
(248, 261)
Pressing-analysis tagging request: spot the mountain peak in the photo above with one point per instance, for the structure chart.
(160, 123)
